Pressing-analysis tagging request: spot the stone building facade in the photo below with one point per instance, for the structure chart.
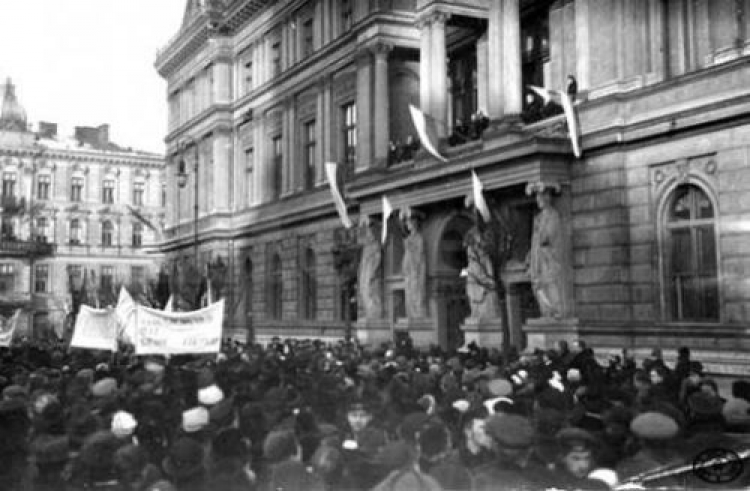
(73, 216)
(654, 214)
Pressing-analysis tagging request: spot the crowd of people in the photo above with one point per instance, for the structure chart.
(306, 415)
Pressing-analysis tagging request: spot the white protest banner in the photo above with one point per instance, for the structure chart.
(95, 329)
(174, 333)
(8, 328)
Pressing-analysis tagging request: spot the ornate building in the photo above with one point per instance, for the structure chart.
(651, 221)
(66, 213)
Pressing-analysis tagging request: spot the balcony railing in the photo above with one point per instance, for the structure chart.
(21, 248)
(12, 204)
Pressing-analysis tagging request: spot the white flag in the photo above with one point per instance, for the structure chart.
(571, 118)
(8, 328)
(479, 203)
(338, 199)
(387, 210)
(169, 307)
(125, 315)
(426, 127)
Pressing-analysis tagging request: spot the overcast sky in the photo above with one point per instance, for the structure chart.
(88, 62)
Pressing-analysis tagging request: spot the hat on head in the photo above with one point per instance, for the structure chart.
(195, 419)
(412, 424)
(574, 375)
(510, 430)
(280, 445)
(106, 387)
(184, 459)
(702, 404)
(575, 438)
(654, 425)
(123, 424)
(499, 387)
(222, 414)
(153, 366)
(210, 395)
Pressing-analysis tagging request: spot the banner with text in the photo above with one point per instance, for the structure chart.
(8, 328)
(95, 329)
(174, 333)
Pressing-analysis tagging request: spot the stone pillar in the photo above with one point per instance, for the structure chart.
(222, 82)
(583, 73)
(656, 65)
(425, 74)
(171, 181)
(288, 178)
(381, 125)
(495, 89)
(364, 110)
(482, 75)
(327, 123)
(439, 74)
(221, 149)
(511, 58)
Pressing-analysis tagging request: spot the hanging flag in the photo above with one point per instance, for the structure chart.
(562, 98)
(387, 210)
(338, 199)
(479, 202)
(427, 130)
(169, 307)
(142, 218)
(209, 290)
(125, 315)
(8, 328)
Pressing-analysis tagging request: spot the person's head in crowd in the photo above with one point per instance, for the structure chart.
(658, 375)
(576, 449)
(695, 372)
(578, 346)
(709, 386)
(434, 442)
(184, 463)
(123, 424)
(280, 446)
(97, 457)
(358, 415)
(561, 346)
(741, 389)
(210, 396)
(511, 434)
(132, 467)
(683, 353)
(654, 429)
(473, 430)
(705, 412)
(328, 463)
(641, 380)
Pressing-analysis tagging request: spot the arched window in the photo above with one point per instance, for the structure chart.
(308, 287)
(276, 288)
(692, 287)
(107, 233)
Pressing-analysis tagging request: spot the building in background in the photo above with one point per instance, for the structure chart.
(66, 213)
(654, 216)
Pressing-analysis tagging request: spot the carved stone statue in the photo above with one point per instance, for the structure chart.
(480, 282)
(546, 254)
(370, 269)
(414, 266)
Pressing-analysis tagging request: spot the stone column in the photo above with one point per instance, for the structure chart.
(364, 110)
(583, 73)
(439, 74)
(425, 55)
(381, 125)
(511, 58)
(482, 74)
(288, 173)
(495, 89)
(656, 65)
(222, 82)
(171, 181)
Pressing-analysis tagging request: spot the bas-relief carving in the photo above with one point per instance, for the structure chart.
(681, 171)
(370, 269)
(414, 264)
(480, 282)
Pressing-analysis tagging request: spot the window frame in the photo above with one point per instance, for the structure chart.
(41, 229)
(43, 186)
(76, 189)
(108, 191)
(310, 152)
(108, 232)
(41, 278)
(139, 193)
(7, 277)
(277, 163)
(10, 180)
(75, 232)
(137, 235)
(348, 114)
(275, 306)
(308, 304)
(667, 228)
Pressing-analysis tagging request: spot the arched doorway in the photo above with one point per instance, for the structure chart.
(452, 302)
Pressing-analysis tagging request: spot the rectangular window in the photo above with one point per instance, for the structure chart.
(310, 151)
(7, 277)
(347, 15)
(248, 77)
(107, 233)
(276, 58)
(249, 174)
(108, 274)
(137, 234)
(349, 136)
(75, 272)
(43, 184)
(108, 192)
(75, 231)
(7, 230)
(76, 189)
(308, 38)
(41, 278)
(138, 190)
(278, 162)
(163, 195)
(9, 184)
(42, 229)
